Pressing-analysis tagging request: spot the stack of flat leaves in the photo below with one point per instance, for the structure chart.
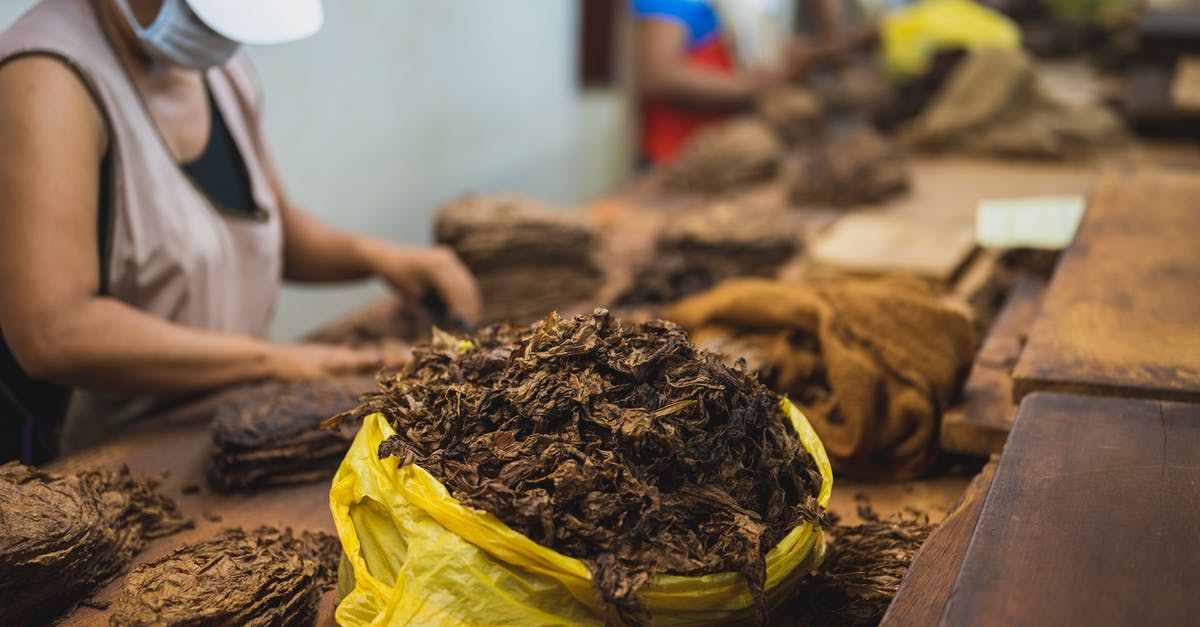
(528, 257)
(697, 250)
(64, 536)
(858, 168)
(267, 433)
(395, 324)
(794, 113)
(725, 157)
(621, 445)
(265, 577)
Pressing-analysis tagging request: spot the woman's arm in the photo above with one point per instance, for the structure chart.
(54, 322)
(664, 72)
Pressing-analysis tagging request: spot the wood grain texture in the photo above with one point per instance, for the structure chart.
(980, 424)
(923, 592)
(1122, 313)
(1092, 519)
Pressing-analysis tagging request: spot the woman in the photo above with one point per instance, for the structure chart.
(145, 229)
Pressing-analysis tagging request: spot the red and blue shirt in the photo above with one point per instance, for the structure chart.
(666, 127)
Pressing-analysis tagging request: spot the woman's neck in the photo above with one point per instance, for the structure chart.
(129, 49)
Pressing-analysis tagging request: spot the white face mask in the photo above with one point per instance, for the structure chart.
(178, 36)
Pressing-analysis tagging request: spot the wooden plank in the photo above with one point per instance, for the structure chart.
(1185, 86)
(1091, 519)
(1122, 313)
(923, 592)
(878, 243)
(980, 424)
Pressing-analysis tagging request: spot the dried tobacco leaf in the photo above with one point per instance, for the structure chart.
(64, 536)
(858, 168)
(699, 249)
(724, 157)
(262, 578)
(862, 572)
(621, 445)
(267, 433)
(528, 257)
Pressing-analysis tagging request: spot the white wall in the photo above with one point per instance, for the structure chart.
(399, 105)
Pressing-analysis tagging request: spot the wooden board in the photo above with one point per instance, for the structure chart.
(881, 243)
(1092, 519)
(177, 445)
(979, 425)
(1185, 86)
(1122, 313)
(923, 592)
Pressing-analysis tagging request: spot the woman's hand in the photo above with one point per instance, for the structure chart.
(308, 361)
(415, 271)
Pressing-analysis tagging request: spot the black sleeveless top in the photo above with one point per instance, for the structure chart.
(32, 411)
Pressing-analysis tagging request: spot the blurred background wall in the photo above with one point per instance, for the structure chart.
(400, 105)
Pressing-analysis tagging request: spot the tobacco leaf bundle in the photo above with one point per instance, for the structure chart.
(621, 445)
(267, 433)
(725, 157)
(63, 536)
(861, 167)
(261, 578)
(528, 257)
(861, 574)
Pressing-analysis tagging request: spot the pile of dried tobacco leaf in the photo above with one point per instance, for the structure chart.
(267, 433)
(264, 577)
(64, 536)
(621, 445)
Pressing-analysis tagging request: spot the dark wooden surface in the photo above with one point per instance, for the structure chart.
(923, 592)
(979, 425)
(1122, 313)
(1093, 519)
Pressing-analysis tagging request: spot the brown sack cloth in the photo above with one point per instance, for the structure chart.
(871, 363)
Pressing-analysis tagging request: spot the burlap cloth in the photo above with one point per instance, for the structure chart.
(871, 362)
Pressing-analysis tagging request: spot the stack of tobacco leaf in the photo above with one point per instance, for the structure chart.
(861, 574)
(529, 258)
(64, 536)
(858, 168)
(621, 445)
(992, 103)
(698, 250)
(724, 157)
(266, 433)
(266, 577)
(794, 113)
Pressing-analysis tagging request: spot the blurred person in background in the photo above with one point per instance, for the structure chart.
(697, 61)
(145, 229)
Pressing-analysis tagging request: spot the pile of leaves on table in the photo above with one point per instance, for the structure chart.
(265, 577)
(864, 565)
(528, 257)
(621, 445)
(699, 249)
(725, 157)
(63, 536)
(858, 168)
(794, 113)
(267, 433)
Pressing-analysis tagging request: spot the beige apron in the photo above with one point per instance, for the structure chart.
(171, 253)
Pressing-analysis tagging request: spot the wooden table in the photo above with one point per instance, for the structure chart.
(1122, 314)
(1093, 519)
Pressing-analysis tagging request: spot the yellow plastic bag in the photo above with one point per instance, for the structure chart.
(912, 36)
(414, 555)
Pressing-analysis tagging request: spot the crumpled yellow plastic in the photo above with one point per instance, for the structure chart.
(912, 36)
(412, 554)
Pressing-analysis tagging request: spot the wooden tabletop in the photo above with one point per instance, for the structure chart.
(1093, 518)
(1122, 313)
